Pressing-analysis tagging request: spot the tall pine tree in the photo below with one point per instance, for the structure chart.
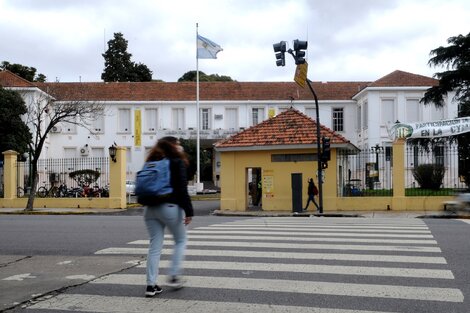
(118, 66)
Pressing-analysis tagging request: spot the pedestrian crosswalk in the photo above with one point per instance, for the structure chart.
(323, 265)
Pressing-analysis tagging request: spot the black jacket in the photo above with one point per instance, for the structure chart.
(179, 182)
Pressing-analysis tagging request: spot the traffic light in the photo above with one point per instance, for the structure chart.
(280, 50)
(326, 153)
(324, 165)
(299, 49)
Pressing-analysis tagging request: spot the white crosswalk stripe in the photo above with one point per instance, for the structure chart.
(312, 257)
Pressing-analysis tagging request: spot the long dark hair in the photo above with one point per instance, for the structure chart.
(167, 147)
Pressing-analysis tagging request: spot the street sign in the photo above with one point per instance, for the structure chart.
(301, 74)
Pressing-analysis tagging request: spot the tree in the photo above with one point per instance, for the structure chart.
(203, 77)
(46, 111)
(26, 72)
(118, 66)
(14, 133)
(456, 58)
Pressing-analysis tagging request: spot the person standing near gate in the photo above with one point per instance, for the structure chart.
(312, 191)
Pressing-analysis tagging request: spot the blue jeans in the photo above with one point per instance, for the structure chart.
(156, 218)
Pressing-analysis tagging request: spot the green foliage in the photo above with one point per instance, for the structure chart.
(85, 177)
(190, 146)
(14, 133)
(455, 58)
(118, 64)
(26, 72)
(203, 77)
(429, 176)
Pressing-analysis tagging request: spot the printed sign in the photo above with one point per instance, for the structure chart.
(443, 128)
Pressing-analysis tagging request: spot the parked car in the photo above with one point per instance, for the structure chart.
(130, 187)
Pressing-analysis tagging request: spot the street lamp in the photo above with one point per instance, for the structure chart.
(112, 153)
(299, 57)
(377, 150)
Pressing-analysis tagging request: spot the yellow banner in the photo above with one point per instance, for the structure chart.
(301, 74)
(138, 128)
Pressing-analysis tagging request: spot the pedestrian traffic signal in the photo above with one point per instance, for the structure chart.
(299, 50)
(324, 165)
(280, 50)
(326, 153)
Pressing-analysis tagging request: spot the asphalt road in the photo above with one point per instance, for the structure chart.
(95, 259)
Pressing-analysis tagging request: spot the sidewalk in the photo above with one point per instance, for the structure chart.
(369, 214)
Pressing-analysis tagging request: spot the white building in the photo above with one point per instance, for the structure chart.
(137, 114)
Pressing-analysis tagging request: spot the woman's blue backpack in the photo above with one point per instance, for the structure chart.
(152, 185)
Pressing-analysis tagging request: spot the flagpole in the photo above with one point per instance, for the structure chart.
(198, 167)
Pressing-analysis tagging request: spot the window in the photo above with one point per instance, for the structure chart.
(124, 116)
(338, 119)
(205, 120)
(98, 123)
(231, 118)
(365, 111)
(151, 120)
(97, 152)
(257, 116)
(388, 111)
(70, 128)
(70, 152)
(359, 117)
(178, 118)
(412, 110)
(438, 152)
(311, 112)
(437, 113)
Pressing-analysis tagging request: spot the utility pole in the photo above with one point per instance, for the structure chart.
(298, 53)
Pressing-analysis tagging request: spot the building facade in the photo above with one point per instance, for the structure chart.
(137, 114)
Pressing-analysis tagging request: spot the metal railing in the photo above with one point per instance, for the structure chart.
(54, 178)
(365, 173)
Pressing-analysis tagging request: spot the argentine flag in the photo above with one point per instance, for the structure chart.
(207, 49)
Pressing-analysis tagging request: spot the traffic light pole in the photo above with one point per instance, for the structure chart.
(319, 161)
(299, 56)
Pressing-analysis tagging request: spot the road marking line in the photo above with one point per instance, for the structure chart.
(113, 304)
(305, 287)
(310, 226)
(332, 229)
(279, 245)
(285, 255)
(307, 233)
(312, 268)
(300, 239)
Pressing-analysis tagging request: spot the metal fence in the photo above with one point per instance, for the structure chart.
(433, 170)
(365, 173)
(54, 178)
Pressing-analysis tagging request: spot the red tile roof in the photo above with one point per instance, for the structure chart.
(8, 79)
(291, 127)
(186, 91)
(404, 79)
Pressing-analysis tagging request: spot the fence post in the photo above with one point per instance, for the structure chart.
(117, 179)
(9, 174)
(398, 174)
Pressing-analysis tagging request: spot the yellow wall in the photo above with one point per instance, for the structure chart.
(234, 167)
(117, 188)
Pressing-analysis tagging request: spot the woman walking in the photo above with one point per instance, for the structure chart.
(173, 212)
(312, 191)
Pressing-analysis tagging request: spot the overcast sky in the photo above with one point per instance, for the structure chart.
(347, 39)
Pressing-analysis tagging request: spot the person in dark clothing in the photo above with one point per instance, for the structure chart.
(312, 191)
(175, 212)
